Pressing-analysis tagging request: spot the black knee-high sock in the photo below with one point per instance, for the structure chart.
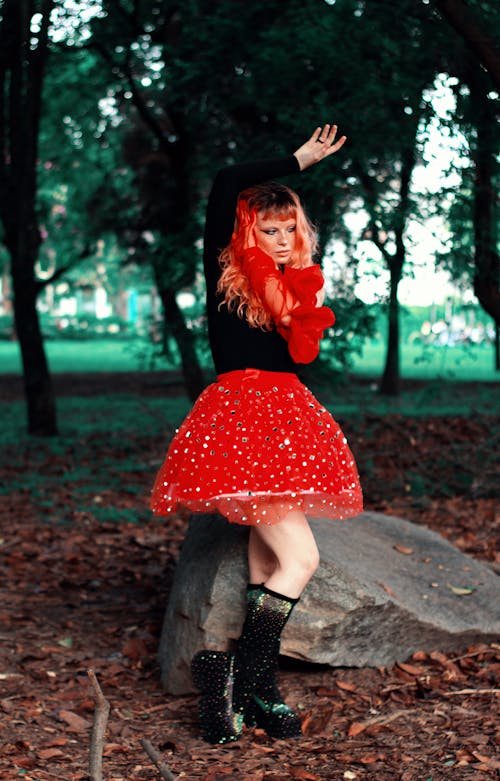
(267, 687)
(258, 647)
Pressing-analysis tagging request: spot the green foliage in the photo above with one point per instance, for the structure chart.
(144, 101)
(88, 203)
(355, 323)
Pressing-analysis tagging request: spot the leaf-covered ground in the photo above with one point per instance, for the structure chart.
(84, 578)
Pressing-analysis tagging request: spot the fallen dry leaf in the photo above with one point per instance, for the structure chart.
(74, 721)
(113, 748)
(462, 591)
(135, 649)
(370, 759)
(303, 775)
(356, 728)
(410, 668)
(402, 549)
(59, 741)
(323, 691)
(50, 753)
(490, 762)
(346, 686)
(386, 588)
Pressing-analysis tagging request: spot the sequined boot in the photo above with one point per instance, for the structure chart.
(212, 673)
(268, 710)
(255, 692)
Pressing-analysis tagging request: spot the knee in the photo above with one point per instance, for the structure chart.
(308, 562)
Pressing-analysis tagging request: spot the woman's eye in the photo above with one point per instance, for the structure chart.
(270, 232)
(292, 229)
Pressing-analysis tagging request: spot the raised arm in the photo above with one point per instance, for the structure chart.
(230, 181)
(223, 197)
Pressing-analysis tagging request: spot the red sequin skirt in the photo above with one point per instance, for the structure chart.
(255, 446)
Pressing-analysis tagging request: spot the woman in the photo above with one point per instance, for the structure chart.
(257, 446)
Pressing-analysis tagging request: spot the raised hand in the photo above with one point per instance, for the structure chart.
(321, 144)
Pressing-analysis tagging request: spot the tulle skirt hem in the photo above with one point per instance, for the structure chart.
(264, 508)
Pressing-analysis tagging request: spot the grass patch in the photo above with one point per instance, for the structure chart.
(461, 363)
(107, 418)
(439, 397)
(85, 356)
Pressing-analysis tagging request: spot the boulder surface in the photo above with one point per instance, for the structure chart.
(384, 589)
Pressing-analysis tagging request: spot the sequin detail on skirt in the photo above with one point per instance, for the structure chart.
(255, 446)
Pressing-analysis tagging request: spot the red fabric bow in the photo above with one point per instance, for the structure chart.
(304, 283)
(305, 331)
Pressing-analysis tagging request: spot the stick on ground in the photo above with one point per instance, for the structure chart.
(155, 756)
(101, 714)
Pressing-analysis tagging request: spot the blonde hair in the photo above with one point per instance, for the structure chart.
(268, 200)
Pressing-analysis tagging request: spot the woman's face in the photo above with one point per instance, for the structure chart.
(276, 236)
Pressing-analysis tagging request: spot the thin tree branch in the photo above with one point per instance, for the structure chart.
(101, 714)
(147, 116)
(463, 692)
(41, 284)
(156, 758)
(494, 646)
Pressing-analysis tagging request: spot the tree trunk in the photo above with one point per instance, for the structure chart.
(21, 80)
(391, 378)
(497, 347)
(191, 369)
(485, 215)
(474, 33)
(390, 382)
(39, 392)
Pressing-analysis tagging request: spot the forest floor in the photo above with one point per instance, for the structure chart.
(84, 586)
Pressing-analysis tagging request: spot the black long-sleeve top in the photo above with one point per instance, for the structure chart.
(234, 343)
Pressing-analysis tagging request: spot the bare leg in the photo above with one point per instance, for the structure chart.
(261, 560)
(283, 556)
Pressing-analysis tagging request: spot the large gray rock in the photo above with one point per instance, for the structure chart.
(368, 604)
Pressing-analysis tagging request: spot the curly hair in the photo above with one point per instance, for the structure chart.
(268, 200)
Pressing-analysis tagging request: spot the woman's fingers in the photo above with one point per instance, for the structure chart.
(250, 232)
(327, 137)
(321, 144)
(335, 147)
(315, 136)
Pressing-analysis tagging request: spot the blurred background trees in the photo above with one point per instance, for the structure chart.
(23, 57)
(116, 114)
